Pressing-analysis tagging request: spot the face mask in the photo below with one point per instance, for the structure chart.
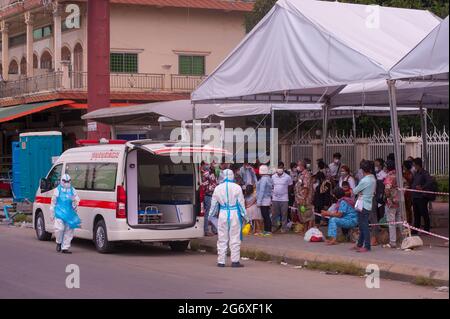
(315, 185)
(206, 167)
(336, 161)
(413, 170)
(308, 166)
(280, 171)
(65, 184)
(377, 169)
(344, 174)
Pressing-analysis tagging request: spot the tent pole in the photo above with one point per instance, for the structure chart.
(397, 150)
(272, 118)
(424, 130)
(354, 124)
(325, 109)
(113, 132)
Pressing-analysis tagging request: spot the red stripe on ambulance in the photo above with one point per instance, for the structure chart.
(83, 203)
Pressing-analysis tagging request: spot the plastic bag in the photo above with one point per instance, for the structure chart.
(313, 235)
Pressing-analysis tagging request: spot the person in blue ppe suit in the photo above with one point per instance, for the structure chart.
(344, 216)
(63, 209)
(228, 202)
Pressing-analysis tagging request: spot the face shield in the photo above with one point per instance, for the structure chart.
(66, 181)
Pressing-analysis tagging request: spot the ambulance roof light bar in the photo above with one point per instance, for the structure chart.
(102, 141)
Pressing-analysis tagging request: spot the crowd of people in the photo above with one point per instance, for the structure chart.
(303, 197)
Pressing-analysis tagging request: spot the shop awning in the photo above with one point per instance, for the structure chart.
(14, 112)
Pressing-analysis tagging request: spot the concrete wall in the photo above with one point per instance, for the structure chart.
(158, 34)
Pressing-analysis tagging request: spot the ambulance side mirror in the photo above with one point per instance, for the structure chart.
(44, 185)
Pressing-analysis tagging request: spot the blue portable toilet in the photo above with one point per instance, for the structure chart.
(16, 170)
(35, 160)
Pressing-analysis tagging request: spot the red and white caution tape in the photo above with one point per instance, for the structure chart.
(423, 191)
(405, 224)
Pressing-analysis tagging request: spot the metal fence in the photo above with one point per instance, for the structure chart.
(40, 83)
(136, 81)
(380, 146)
(185, 82)
(301, 150)
(341, 144)
(122, 81)
(438, 153)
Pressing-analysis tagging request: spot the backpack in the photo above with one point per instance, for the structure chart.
(433, 187)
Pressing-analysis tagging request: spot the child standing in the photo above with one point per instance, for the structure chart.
(253, 210)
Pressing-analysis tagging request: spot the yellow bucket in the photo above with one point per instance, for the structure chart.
(246, 229)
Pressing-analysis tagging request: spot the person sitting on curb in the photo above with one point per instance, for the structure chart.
(345, 217)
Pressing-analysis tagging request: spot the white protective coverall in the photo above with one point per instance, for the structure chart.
(228, 202)
(63, 233)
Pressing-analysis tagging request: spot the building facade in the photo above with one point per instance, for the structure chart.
(160, 50)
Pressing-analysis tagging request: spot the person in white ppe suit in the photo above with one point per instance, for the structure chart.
(63, 211)
(228, 202)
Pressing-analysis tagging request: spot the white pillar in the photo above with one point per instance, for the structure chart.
(29, 49)
(65, 65)
(412, 146)
(317, 151)
(4, 27)
(56, 36)
(361, 151)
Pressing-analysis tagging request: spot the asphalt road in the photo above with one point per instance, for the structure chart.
(32, 269)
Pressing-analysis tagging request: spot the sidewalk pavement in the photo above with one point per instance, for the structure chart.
(430, 261)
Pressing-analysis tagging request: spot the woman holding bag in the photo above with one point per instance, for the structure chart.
(365, 192)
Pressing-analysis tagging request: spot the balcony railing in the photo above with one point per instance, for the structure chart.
(122, 81)
(40, 83)
(186, 83)
(78, 81)
(137, 81)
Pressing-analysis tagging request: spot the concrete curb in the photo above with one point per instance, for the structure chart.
(400, 272)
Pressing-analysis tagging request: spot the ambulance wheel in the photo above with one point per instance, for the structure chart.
(179, 246)
(102, 244)
(41, 233)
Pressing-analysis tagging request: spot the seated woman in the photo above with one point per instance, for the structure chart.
(345, 217)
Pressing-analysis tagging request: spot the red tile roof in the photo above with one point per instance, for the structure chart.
(228, 5)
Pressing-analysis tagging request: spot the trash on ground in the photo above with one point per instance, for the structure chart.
(202, 251)
(442, 289)
(283, 263)
(298, 267)
(245, 258)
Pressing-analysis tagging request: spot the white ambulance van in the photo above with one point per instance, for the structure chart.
(129, 191)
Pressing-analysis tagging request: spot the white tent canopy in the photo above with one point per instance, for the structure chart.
(182, 111)
(307, 51)
(374, 93)
(428, 58)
